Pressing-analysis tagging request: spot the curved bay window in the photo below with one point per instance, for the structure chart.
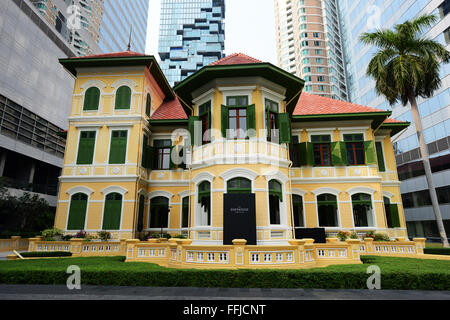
(328, 210)
(239, 185)
(204, 199)
(362, 210)
(297, 207)
(159, 212)
(77, 211)
(275, 197)
(113, 212)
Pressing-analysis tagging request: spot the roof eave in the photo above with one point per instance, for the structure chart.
(377, 117)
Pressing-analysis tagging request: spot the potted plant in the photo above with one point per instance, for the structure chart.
(343, 235)
(104, 235)
(52, 234)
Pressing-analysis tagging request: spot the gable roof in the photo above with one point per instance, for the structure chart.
(169, 110)
(235, 58)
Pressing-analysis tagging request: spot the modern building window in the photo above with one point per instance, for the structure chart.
(322, 150)
(275, 197)
(159, 212)
(141, 210)
(148, 105)
(77, 211)
(355, 149)
(162, 154)
(112, 212)
(444, 8)
(328, 210)
(362, 210)
(272, 110)
(205, 117)
(118, 148)
(185, 212)
(91, 99)
(86, 147)
(123, 98)
(297, 207)
(239, 185)
(204, 199)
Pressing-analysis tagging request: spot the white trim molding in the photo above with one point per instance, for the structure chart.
(299, 192)
(160, 193)
(94, 83)
(79, 189)
(329, 190)
(124, 82)
(184, 194)
(239, 173)
(203, 176)
(116, 189)
(277, 176)
(387, 194)
(356, 190)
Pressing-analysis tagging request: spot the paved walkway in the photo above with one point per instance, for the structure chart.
(50, 292)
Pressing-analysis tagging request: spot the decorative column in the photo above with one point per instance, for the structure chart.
(420, 244)
(368, 242)
(131, 243)
(353, 249)
(239, 250)
(15, 242)
(76, 246)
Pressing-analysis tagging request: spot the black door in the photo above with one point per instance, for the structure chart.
(239, 218)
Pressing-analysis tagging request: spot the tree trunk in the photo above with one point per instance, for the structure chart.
(429, 176)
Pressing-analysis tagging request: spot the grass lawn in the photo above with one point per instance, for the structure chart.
(433, 245)
(396, 273)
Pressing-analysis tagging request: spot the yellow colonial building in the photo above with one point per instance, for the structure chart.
(234, 151)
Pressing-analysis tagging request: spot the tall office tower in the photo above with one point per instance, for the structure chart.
(309, 45)
(35, 99)
(365, 16)
(192, 35)
(98, 26)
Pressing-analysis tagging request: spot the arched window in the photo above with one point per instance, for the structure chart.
(140, 220)
(123, 98)
(275, 197)
(362, 210)
(204, 198)
(159, 212)
(77, 211)
(327, 209)
(297, 207)
(148, 105)
(239, 185)
(113, 212)
(91, 99)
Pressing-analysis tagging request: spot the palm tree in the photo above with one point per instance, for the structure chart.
(405, 67)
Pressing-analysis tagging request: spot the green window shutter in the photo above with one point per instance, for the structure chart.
(123, 98)
(224, 117)
(77, 212)
(91, 99)
(251, 120)
(369, 147)
(310, 152)
(172, 164)
(112, 213)
(284, 125)
(148, 106)
(118, 149)
(195, 134)
(144, 152)
(343, 147)
(395, 219)
(86, 147)
(379, 149)
(140, 222)
(303, 154)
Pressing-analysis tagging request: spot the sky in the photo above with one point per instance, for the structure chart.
(249, 28)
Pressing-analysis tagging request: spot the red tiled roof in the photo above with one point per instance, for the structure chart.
(113, 55)
(235, 58)
(391, 120)
(169, 110)
(310, 104)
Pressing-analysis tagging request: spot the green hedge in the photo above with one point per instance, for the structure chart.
(396, 273)
(442, 251)
(46, 254)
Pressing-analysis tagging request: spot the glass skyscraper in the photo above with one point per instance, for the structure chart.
(104, 25)
(365, 16)
(192, 35)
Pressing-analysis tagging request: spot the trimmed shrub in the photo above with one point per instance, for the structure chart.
(50, 234)
(441, 251)
(104, 235)
(46, 254)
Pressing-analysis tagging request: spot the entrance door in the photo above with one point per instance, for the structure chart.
(239, 218)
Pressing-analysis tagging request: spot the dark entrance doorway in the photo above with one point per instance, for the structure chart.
(239, 218)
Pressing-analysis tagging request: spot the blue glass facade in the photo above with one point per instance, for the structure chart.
(365, 16)
(192, 35)
(118, 16)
